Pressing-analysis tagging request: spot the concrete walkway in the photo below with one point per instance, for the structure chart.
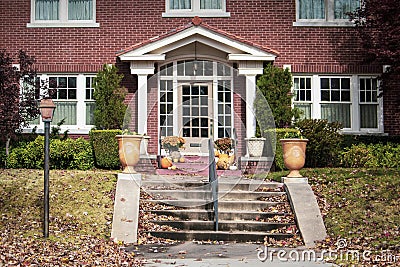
(224, 254)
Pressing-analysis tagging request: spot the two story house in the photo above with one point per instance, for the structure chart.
(191, 65)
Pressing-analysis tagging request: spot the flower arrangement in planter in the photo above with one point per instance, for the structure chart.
(173, 144)
(224, 153)
(224, 145)
(294, 152)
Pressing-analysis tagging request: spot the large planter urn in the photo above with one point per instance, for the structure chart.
(294, 155)
(129, 151)
(255, 146)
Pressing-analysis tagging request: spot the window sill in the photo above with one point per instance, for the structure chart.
(323, 24)
(63, 25)
(208, 14)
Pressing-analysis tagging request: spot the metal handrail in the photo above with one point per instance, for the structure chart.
(213, 180)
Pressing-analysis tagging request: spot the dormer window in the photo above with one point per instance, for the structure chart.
(191, 8)
(63, 13)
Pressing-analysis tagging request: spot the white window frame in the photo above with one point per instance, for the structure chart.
(329, 20)
(354, 102)
(80, 127)
(195, 11)
(63, 19)
(308, 102)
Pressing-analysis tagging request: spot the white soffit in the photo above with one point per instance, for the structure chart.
(237, 50)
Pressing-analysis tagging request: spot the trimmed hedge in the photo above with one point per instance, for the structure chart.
(371, 156)
(64, 154)
(105, 148)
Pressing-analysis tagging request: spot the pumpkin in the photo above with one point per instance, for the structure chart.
(165, 163)
(182, 160)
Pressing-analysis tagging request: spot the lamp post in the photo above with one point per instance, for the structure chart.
(46, 107)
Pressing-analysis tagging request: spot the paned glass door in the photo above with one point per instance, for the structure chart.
(196, 118)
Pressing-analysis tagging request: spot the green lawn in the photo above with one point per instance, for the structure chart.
(361, 206)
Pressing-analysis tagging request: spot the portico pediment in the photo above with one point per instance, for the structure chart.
(235, 48)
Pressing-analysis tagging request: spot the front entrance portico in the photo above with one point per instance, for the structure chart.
(202, 72)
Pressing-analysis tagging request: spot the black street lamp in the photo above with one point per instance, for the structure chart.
(46, 107)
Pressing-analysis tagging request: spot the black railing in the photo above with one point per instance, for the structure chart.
(213, 180)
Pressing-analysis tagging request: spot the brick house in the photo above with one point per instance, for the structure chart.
(190, 65)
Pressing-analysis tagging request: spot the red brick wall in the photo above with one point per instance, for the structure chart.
(127, 22)
(124, 22)
(391, 109)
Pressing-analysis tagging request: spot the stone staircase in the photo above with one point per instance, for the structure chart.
(249, 210)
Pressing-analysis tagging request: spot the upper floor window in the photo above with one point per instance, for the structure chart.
(324, 12)
(63, 13)
(191, 8)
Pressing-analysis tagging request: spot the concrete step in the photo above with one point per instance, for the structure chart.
(206, 194)
(223, 205)
(238, 236)
(224, 184)
(249, 226)
(235, 215)
(199, 171)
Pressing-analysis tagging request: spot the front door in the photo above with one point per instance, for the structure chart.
(196, 117)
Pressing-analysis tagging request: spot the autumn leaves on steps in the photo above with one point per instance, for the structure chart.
(180, 208)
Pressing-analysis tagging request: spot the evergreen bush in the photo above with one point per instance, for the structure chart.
(64, 154)
(275, 85)
(324, 143)
(105, 148)
(371, 156)
(110, 108)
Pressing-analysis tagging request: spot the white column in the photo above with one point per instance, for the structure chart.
(355, 114)
(142, 103)
(142, 69)
(80, 98)
(250, 96)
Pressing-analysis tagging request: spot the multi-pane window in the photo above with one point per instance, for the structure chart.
(195, 68)
(63, 91)
(335, 100)
(224, 109)
(325, 10)
(302, 92)
(89, 100)
(204, 8)
(368, 102)
(166, 108)
(58, 12)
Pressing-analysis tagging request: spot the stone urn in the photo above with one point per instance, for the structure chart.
(255, 146)
(294, 155)
(129, 151)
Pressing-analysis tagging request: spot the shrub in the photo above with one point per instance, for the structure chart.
(324, 143)
(29, 155)
(64, 154)
(371, 156)
(110, 108)
(276, 86)
(105, 148)
(356, 156)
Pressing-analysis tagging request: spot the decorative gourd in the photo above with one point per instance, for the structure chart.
(165, 163)
(182, 160)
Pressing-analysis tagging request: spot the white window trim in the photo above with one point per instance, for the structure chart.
(63, 22)
(81, 127)
(329, 21)
(354, 102)
(195, 11)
